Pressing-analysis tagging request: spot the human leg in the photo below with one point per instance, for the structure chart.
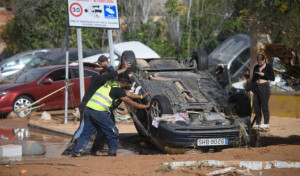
(109, 129)
(257, 109)
(99, 142)
(88, 130)
(265, 102)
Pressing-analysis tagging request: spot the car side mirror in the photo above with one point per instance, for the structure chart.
(48, 81)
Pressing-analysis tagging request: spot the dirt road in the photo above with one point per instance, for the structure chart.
(282, 143)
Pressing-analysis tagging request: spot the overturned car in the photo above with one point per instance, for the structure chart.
(189, 109)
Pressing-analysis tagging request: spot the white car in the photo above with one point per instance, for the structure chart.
(140, 50)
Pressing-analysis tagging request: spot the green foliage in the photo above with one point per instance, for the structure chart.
(282, 16)
(42, 24)
(176, 8)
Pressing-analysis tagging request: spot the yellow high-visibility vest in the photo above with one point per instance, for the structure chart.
(101, 101)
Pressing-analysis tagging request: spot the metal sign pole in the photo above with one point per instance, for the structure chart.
(80, 62)
(111, 48)
(67, 76)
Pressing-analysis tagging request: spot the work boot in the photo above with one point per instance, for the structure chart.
(112, 154)
(76, 154)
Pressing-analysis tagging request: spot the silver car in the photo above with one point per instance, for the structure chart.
(17, 62)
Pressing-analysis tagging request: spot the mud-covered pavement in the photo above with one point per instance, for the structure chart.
(282, 143)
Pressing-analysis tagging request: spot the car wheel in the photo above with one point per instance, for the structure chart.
(20, 102)
(129, 57)
(200, 56)
(159, 105)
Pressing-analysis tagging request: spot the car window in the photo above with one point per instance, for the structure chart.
(86, 72)
(58, 75)
(241, 64)
(11, 63)
(26, 59)
(30, 76)
(36, 62)
(10, 66)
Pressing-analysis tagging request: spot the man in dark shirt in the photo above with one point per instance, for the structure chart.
(96, 82)
(96, 115)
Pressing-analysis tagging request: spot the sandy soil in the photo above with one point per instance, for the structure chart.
(282, 143)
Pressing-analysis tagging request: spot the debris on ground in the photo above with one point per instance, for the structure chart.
(171, 118)
(45, 116)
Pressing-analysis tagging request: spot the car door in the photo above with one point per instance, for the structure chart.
(76, 88)
(57, 100)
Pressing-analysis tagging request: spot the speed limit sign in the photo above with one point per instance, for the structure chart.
(76, 9)
(93, 13)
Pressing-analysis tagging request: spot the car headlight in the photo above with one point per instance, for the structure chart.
(4, 93)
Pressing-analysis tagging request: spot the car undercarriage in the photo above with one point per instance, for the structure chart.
(189, 109)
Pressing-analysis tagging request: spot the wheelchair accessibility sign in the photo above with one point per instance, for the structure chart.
(93, 13)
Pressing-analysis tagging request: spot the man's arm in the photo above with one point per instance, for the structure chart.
(128, 101)
(136, 96)
(126, 66)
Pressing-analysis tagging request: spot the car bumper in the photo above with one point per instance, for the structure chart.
(176, 136)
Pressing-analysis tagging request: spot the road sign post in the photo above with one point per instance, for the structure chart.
(92, 14)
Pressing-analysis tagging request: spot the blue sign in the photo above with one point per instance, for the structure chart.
(110, 11)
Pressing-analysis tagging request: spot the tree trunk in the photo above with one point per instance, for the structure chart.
(146, 7)
(259, 36)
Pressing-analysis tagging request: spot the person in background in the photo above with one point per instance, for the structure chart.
(103, 62)
(96, 114)
(260, 90)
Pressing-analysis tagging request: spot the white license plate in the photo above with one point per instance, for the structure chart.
(212, 141)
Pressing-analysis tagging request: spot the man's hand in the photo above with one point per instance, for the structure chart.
(127, 65)
(251, 93)
(147, 105)
(145, 94)
(260, 73)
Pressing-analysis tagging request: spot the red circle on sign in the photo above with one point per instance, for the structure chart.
(75, 9)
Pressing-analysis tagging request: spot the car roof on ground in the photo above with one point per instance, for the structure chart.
(140, 50)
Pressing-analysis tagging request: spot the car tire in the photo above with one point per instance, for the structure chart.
(129, 56)
(240, 103)
(159, 105)
(201, 58)
(21, 102)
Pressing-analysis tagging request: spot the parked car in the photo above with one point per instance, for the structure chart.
(232, 58)
(17, 62)
(188, 108)
(140, 50)
(37, 83)
(55, 57)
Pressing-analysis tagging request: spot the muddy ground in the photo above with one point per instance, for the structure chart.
(282, 143)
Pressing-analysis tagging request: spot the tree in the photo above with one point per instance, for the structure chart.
(42, 24)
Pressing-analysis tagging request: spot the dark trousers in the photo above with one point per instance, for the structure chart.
(260, 101)
(101, 122)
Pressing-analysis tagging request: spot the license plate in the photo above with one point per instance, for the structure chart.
(212, 141)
